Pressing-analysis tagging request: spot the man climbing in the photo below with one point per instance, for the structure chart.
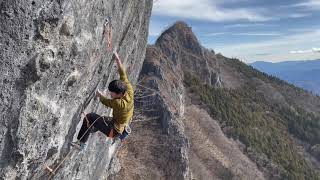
(122, 103)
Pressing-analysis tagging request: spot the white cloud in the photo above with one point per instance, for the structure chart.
(244, 34)
(155, 33)
(310, 4)
(154, 30)
(303, 29)
(215, 34)
(257, 34)
(313, 50)
(205, 10)
(157, 27)
(316, 50)
(276, 49)
(245, 25)
(301, 51)
(299, 15)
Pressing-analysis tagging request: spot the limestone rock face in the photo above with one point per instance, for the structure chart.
(54, 57)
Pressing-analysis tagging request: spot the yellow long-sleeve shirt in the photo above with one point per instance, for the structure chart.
(122, 107)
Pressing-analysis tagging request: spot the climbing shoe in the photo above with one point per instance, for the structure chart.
(82, 146)
(79, 145)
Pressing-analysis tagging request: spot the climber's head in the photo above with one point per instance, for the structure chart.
(117, 88)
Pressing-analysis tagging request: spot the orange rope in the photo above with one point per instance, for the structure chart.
(108, 35)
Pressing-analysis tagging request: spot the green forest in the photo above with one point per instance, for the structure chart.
(264, 128)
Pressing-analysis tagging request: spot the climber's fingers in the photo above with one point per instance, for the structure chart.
(98, 93)
(87, 120)
(116, 54)
(83, 115)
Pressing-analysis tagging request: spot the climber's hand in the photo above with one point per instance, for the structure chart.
(83, 115)
(99, 93)
(118, 61)
(116, 55)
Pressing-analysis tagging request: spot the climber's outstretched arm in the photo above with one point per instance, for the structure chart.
(118, 60)
(122, 71)
(123, 74)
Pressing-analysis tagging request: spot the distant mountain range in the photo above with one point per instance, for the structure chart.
(304, 74)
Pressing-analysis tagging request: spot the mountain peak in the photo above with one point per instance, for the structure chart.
(181, 35)
(181, 25)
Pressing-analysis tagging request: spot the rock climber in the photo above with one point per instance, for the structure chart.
(122, 103)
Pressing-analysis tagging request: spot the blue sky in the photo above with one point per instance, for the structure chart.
(251, 30)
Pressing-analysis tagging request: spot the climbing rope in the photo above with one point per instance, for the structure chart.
(89, 126)
(53, 171)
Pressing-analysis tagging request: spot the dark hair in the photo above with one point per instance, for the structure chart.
(117, 86)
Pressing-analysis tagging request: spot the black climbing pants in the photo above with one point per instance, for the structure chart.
(103, 124)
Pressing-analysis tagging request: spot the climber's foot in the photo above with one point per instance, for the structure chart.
(79, 145)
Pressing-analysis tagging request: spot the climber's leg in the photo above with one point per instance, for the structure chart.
(106, 126)
(86, 122)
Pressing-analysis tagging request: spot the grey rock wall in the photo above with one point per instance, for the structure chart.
(53, 58)
(163, 74)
